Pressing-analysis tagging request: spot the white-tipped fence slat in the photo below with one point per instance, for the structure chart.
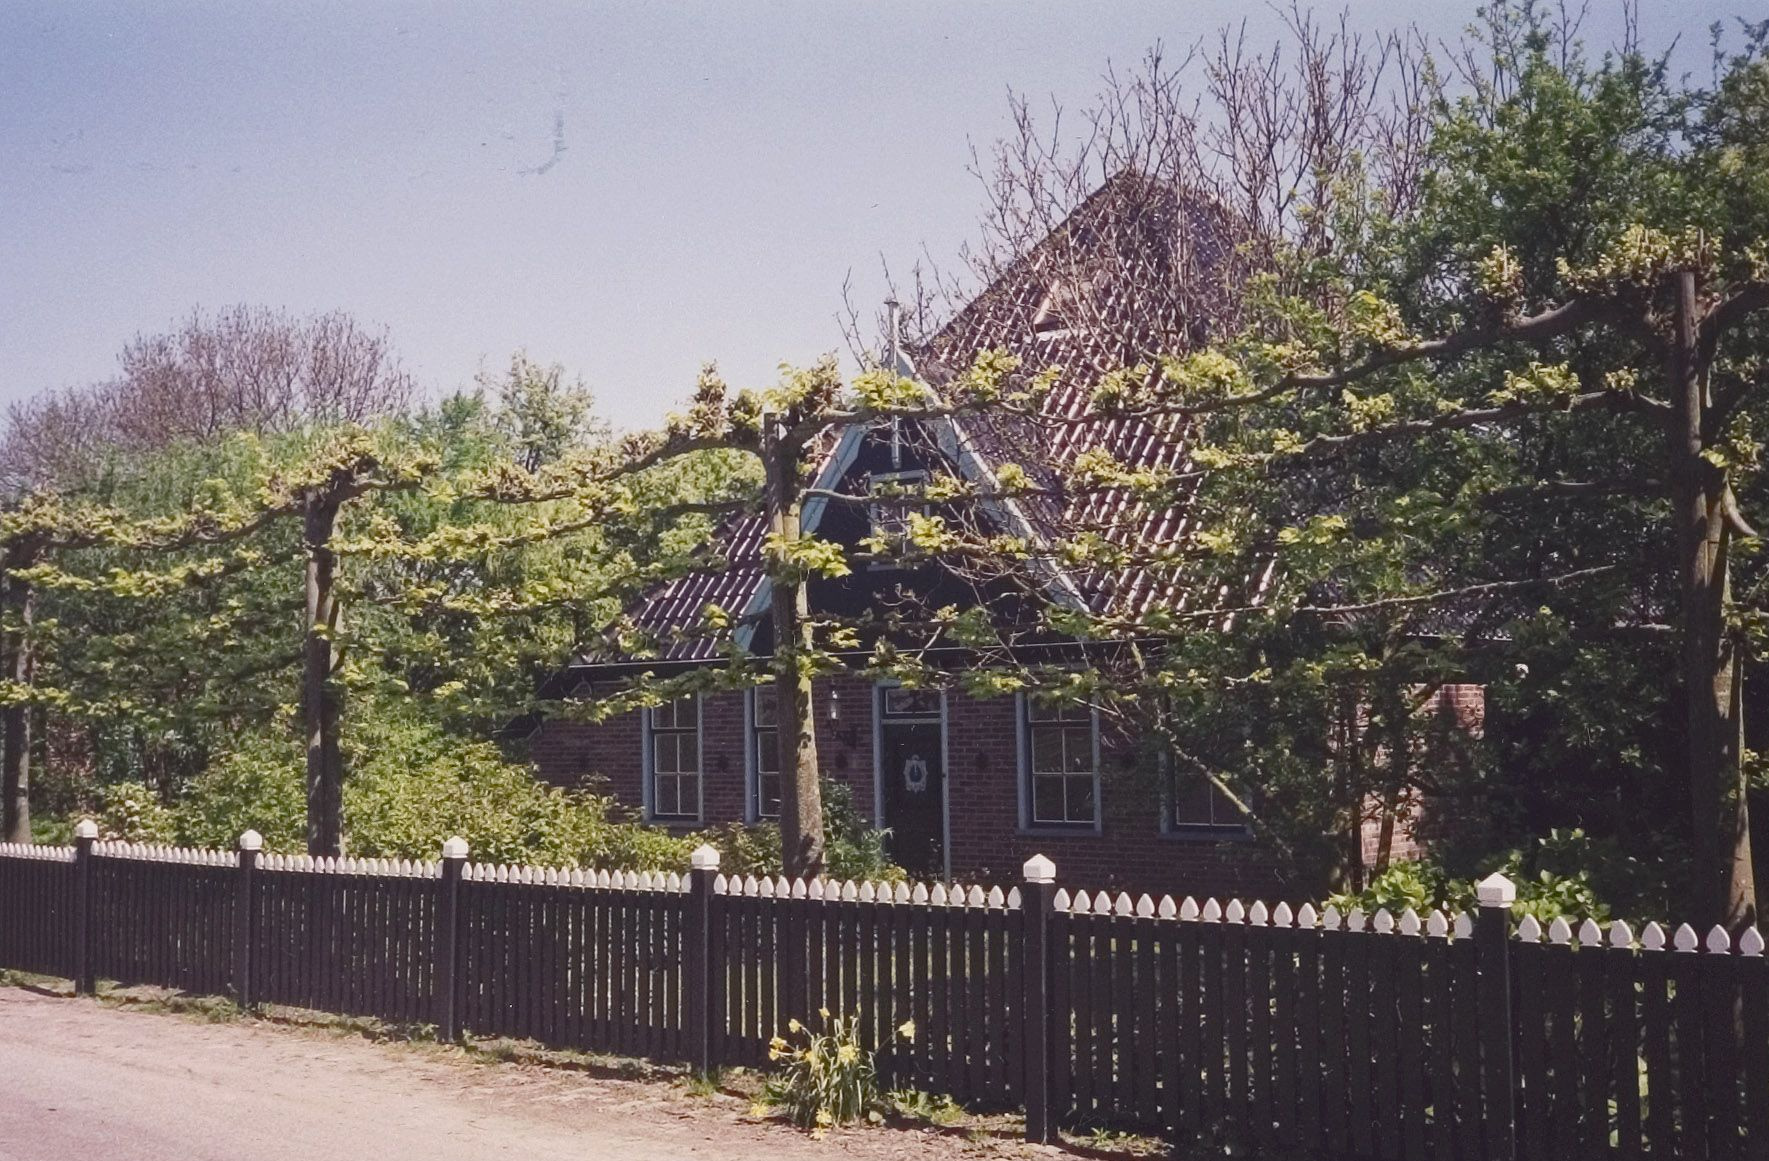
(32, 851)
(1384, 1034)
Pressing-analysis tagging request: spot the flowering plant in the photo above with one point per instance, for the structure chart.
(828, 1078)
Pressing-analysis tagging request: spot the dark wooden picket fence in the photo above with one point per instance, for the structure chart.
(1383, 1036)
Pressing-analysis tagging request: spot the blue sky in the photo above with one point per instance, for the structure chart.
(724, 167)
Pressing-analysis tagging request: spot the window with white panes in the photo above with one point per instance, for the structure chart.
(1197, 806)
(1061, 759)
(672, 750)
(764, 751)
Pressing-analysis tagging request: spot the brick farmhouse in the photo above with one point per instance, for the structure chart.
(968, 787)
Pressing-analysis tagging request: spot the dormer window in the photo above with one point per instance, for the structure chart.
(1049, 321)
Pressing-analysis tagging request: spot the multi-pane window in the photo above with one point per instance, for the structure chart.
(890, 511)
(900, 702)
(1198, 806)
(1062, 764)
(673, 731)
(764, 750)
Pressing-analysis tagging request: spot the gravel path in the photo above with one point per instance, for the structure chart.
(80, 1079)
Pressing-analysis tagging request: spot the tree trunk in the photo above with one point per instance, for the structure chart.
(1710, 662)
(17, 662)
(1347, 791)
(319, 691)
(801, 791)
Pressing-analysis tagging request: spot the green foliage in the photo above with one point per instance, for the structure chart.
(412, 786)
(853, 848)
(1419, 885)
(259, 785)
(1557, 874)
(133, 814)
(920, 1105)
(826, 1078)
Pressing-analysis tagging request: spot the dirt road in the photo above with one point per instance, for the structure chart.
(82, 1080)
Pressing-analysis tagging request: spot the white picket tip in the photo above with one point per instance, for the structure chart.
(1167, 908)
(1590, 935)
(1686, 939)
(1530, 930)
(1145, 908)
(1257, 915)
(1384, 922)
(1307, 917)
(1621, 935)
(1751, 942)
(1409, 922)
(1719, 941)
(1653, 937)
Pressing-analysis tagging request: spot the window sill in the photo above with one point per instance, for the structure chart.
(1057, 830)
(675, 822)
(1207, 834)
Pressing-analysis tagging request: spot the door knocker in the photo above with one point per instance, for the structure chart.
(915, 774)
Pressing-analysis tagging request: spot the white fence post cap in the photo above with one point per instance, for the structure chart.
(1496, 891)
(86, 829)
(455, 848)
(1039, 869)
(704, 858)
(251, 841)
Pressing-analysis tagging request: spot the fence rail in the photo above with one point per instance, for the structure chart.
(1380, 1036)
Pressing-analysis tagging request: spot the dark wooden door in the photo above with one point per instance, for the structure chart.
(912, 772)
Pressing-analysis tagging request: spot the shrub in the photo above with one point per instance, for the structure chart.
(829, 1078)
(852, 847)
(412, 785)
(1554, 876)
(134, 813)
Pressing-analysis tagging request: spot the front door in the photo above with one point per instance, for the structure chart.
(912, 778)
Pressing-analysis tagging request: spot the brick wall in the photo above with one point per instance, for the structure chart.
(1422, 821)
